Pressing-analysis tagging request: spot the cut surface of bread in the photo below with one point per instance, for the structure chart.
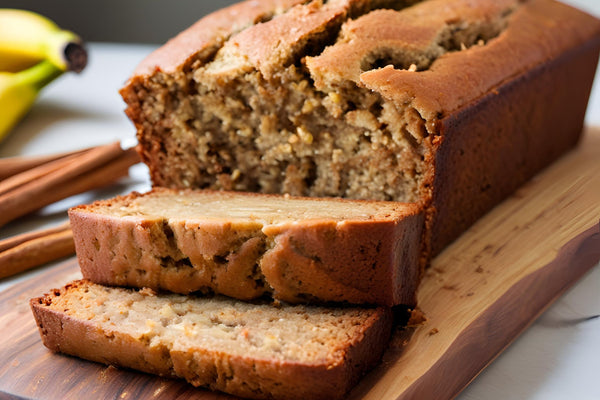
(261, 210)
(247, 349)
(369, 99)
(246, 245)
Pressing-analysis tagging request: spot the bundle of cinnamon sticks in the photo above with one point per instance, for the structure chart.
(30, 183)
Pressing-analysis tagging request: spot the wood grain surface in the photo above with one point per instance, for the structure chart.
(478, 295)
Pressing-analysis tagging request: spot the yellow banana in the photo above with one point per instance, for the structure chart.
(26, 38)
(18, 91)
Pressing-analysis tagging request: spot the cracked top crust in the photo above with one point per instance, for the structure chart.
(537, 31)
(507, 38)
(207, 35)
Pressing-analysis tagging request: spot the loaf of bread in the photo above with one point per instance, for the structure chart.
(248, 245)
(449, 103)
(252, 350)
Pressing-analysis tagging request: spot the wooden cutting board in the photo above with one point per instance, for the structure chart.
(478, 296)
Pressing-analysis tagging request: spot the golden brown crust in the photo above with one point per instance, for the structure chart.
(464, 168)
(419, 36)
(269, 46)
(529, 39)
(537, 31)
(204, 37)
(261, 378)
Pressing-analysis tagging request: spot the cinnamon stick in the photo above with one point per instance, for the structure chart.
(91, 169)
(25, 237)
(35, 252)
(15, 165)
(96, 178)
(38, 172)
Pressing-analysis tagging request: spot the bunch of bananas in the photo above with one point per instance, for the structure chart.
(33, 52)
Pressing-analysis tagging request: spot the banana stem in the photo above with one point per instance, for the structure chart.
(76, 56)
(39, 75)
(66, 50)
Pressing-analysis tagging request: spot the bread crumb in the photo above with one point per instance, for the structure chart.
(335, 97)
(417, 317)
(147, 292)
(305, 135)
(433, 331)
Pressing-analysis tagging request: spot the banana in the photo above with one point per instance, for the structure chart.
(18, 91)
(26, 38)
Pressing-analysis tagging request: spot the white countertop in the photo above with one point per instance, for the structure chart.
(558, 357)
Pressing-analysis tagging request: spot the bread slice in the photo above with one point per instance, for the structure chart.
(248, 245)
(250, 350)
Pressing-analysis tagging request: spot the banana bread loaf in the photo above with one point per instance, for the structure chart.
(247, 245)
(252, 350)
(449, 103)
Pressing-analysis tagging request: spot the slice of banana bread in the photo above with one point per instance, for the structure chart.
(252, 350)
(451, 103)
(246, 245)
